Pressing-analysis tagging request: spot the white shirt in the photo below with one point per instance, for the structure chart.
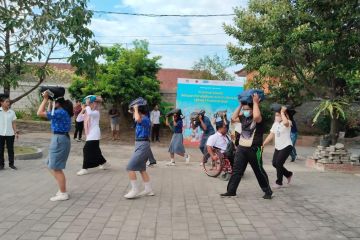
(6, 120)
(155, 117)
(282, 135)
(94, 129)
(218, 140)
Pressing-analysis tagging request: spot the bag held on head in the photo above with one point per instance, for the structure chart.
(54, 92)
(246, 96)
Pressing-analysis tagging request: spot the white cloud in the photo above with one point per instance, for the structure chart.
(111, 28)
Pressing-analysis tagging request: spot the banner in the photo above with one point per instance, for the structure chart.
(209, 95)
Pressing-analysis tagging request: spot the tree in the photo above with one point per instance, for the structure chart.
(35, 30)
(312, 47)
(125, 75)
(213, 68)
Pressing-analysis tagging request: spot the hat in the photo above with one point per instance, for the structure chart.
(92, 98)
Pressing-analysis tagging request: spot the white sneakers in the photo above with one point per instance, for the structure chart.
(147, 193)
(171, 163)
(60, 196)
(187, 159)
(105, 166)
(82, 172)
(132, 194)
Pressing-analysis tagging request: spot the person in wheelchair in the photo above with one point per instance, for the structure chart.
(219, 141)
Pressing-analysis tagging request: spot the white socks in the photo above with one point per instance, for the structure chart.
(172, 160)
(147, 186)
(133, 185)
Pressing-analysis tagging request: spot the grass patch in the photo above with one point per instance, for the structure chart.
(20, 150)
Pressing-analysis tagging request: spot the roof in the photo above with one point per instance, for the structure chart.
(168, 77)
(241, 73)
(59, 66)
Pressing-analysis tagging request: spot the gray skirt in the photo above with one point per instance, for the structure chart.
(176, 144)
(58, 151)
(140, 156)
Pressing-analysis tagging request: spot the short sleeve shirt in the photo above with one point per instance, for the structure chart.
(6, 120)
(282, 135)
(60, 121)
(179, 126)
(142, 129)
(218, 140)
(259, 133)
(209, 128)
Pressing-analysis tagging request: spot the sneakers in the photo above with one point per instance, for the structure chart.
(267, 196)
(13, 167)
(293, 159)
(171, 163)
(276, 186)
(151, 164)
(60, 197)
(78, 140)
(147, 193)
(187, 159)
(228, 194)
(105, 166)
(132, 194)
(82, 172)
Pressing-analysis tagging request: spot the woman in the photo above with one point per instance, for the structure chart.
(283, 145)
(91, 151)
(141, 154)
(79, 122)
(60, 141)
(8, 132)
(249, 149)
(176, 144)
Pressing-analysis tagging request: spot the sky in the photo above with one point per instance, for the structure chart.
(109, 29)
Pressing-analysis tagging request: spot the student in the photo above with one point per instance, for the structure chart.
(155, 124)
(249, 149)
(79, 123)
(219, 140)
(293, 136)
(280, 130)
(114, 122)
(8, 132)
(176, 144)
(92, 152)
(205, 125)
(60, 141)
(137, 162)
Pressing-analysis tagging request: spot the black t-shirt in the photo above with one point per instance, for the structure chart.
(246, 130)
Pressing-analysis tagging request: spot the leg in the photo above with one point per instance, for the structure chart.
(2, 147)
(10, 148)
(157, 132)
(255, 160)
(60, 179)
(293, 153)
(145, 176)
(76, 129)
(153, 133)
(81, 128)
(240, 164)
(151, 157)
(132, 175)
(280, 161)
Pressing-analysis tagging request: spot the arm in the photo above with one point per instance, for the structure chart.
(202, 123)
(212, 153)
(256, 108)
(236, 114)
(41, 111)
(15, 130)
(167, 121)
(268, 139)
(284, 119)
(137, 114)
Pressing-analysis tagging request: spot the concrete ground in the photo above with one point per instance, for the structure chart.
(317, 205)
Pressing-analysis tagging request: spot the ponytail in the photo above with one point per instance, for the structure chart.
(66, 105)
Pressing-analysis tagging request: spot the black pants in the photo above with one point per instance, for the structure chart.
(155, 132)
(243, 156)
(79, 126)
(92, 154)
(9, 140)
(278, 162)
(151, 158)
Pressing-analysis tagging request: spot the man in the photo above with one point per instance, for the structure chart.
(8, 132)
(250, 147)
(114, 122)
(218, 140)
(79, 125)
(155, 123)
(205, 124)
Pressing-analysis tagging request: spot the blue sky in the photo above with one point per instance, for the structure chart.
(124, 29)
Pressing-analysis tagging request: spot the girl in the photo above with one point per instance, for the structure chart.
(92, 153)
(283, 145)
(176, 144)
(141, 154)
(60, 141)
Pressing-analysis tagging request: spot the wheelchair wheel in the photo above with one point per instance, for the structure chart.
(212, 168)
(225, 176)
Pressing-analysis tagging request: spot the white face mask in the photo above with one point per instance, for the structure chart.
(278, 119)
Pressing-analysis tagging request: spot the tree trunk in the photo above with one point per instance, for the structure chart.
(334, 130)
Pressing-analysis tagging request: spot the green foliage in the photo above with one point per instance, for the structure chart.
(164, 108)
(35, 31)
(213, 68)
(334, 109)
(125, 75)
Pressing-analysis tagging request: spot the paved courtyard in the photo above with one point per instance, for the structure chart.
(318, 205)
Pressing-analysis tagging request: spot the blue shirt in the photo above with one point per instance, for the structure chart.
(179, 126)
(293, 127)
(60, 121)
(209, 128)
(142, 129)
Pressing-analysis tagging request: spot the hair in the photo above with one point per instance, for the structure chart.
(143, 109)
(248, 104)
(66, 105)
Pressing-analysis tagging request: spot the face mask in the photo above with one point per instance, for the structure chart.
(247, 113)
(278, 119)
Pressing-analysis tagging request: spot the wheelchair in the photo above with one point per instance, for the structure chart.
(213, 168)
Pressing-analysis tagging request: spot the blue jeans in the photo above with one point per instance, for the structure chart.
(293, 153)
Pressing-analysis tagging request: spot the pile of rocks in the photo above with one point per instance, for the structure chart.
(335, 154)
